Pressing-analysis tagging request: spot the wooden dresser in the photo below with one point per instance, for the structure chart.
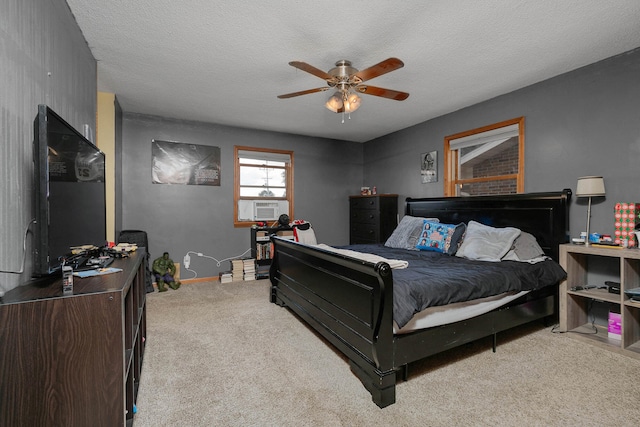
(372, 219)
(74, 360)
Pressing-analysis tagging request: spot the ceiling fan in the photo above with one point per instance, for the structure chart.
(348, 82)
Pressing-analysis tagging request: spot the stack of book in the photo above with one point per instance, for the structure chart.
(263, 271)
(249, 265)
(237, 270)
(226, 276)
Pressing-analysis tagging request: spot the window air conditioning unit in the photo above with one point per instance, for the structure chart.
(265, 211)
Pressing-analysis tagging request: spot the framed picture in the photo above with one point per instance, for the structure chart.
(429, 167)
(189, 164)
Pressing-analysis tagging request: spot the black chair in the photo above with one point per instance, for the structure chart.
(139, 238)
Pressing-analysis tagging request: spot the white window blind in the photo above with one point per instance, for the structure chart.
(263, 155)
(502, 134)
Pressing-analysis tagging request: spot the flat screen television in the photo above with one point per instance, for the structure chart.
(70, 195)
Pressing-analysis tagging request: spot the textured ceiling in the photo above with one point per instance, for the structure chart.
(225, 62)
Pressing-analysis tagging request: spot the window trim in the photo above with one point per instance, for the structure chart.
(236, 181)
(451, 156)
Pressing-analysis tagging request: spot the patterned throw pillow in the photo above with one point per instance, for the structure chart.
(440, 237)
(406, 234)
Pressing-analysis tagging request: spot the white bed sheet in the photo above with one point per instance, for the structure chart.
(437, 316)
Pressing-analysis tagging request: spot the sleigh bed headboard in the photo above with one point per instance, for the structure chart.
(544, 215)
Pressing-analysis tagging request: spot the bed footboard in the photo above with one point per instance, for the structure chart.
(348, 301)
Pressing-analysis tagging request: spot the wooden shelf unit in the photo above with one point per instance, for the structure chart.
(574, 305)
(74, 360)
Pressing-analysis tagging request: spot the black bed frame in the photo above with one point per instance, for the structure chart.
(350, 302)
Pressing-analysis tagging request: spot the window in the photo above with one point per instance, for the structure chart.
(263, 181)
(484, 161)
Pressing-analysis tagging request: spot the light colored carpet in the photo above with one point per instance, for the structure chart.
(223, 355)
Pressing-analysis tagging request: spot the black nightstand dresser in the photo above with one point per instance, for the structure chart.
(372, 219)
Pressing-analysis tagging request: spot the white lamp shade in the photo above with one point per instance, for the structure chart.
(335, 102)
(590, 186)
(343, 102)
(352, 103)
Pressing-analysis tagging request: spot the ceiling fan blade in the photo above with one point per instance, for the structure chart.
(311, 69)
(379, 69)
(303, 92)
(385, 93)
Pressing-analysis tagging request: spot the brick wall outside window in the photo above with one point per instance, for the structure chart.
(503, 163)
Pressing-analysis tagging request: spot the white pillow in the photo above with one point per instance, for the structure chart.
(307, 236)
(484, 243)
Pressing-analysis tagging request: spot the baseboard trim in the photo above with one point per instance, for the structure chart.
(200, 279)
(196, 280)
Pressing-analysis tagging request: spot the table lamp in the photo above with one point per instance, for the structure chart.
(590, 186)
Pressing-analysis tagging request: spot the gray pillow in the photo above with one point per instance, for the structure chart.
(406, 234)
(484, 243)
(525, 248)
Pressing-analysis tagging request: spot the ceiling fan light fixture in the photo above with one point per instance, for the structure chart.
(347, 83)
(335, 103)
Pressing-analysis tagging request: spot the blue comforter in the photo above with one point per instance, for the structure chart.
(435, 279)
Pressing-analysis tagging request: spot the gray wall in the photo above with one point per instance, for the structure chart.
(581, 123)
(586, 122)
(44, 59)
(182, 218)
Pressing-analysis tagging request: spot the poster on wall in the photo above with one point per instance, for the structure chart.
(188, 164)
(429, 167)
